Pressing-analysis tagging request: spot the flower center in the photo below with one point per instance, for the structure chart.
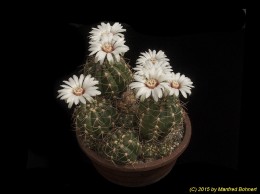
(153, 60)
(151, 83)
(175, 85)
(107, 47)
(78, 91)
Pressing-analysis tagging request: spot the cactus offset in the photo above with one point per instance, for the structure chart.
(122, 147)
(157, 119)
(155, 150)
(95, 120)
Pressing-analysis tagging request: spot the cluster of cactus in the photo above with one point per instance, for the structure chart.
(137, 116)
(123, 135)
(125, 130)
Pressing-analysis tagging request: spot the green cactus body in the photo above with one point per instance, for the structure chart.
(127, 121)
(157, 119)
(122, 147)
(95, 120)
(127, 107)
(152, 151)
(113, 78)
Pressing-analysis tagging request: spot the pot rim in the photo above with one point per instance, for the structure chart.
(98, 160)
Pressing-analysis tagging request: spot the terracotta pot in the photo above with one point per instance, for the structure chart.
(139, 174)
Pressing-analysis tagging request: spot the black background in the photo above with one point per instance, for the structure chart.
(206, 45)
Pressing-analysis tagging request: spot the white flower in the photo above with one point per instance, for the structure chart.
(152, 82)
(106, 29)
(109, 47)
(117, 28)
(180, 83)
(78, 89)
(151, 56)
(164, 65)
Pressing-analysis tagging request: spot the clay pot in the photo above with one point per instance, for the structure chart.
(139, 174)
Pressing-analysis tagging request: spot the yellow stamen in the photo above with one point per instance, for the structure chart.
(78, 91)
(151, 83)
(108, 48)
(175, 85)
(153, 60)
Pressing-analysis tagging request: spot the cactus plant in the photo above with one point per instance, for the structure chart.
(157, 119)
(122, 146)
(95, 120)
(126, 115)
(113, 77)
